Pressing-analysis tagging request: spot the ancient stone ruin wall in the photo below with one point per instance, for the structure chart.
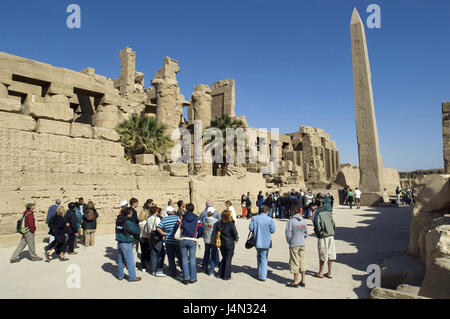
(446, 135)
(223, 98)
(43, 160)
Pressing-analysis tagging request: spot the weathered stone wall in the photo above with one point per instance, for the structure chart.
(223, 98)
(446, 135)
(350, 176)
(44, 160)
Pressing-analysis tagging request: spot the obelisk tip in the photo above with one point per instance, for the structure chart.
(355, 17)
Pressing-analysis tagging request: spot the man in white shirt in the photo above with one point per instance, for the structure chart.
(358, 198)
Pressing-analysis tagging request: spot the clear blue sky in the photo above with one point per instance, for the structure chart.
(291, 59)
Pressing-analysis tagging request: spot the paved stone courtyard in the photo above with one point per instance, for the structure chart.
(363, 237)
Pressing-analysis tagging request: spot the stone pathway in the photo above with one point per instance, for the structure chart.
(363, 237)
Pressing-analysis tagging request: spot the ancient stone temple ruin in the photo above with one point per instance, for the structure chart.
(57, 140)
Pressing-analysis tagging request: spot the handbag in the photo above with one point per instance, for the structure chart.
(218, 240)
(251, 242)
(177, 235)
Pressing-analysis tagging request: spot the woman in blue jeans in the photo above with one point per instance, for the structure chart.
(191, 229)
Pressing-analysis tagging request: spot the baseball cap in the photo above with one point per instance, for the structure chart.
(123, 203)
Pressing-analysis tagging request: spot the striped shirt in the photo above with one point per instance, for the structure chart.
(167, 225)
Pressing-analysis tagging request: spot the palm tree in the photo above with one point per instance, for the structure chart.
(142, 135)
(223, 122)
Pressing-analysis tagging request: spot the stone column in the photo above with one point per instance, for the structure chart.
(127, 71)
(169, 108)
(446, 135)
(371, 183)
(201, 104)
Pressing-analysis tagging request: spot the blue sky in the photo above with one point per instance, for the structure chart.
(291, 59)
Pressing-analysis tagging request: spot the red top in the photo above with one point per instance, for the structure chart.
(29, 221)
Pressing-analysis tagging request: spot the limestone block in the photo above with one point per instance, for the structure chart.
(401, 269)
(49, 110)
(391, 179)
(106, 134)
(81, 130)
(53, 127)
(421, 223)
(382, 293)
(437, 242)
(17, 122)
(145, 159)
(179, 169)
(437, 279)
(3, 91)
(433, 193)
(348, 176)
(10, 105)
(446, 107)
(107, 116)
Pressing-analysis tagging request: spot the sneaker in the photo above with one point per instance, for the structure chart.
(184, 282)
(160, 274)
(15, 260)
(137, 279)
(301, 285)
(193, 281)
(37, 259)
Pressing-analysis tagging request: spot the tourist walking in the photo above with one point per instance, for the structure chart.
(262, 227)
(350, 198)
(50, 213)
(296, 234)
(89, 224)
(191, 229)
(324, 228)
(228, 235)
(166, 229)
(28, 238)
(144, 238)
(358, 198)
(157, 252)
(72, 228)
(127, 232)
(211, 251)
(58, 230)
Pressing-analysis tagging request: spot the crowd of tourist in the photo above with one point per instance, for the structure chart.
(66, 226)
(179, 229)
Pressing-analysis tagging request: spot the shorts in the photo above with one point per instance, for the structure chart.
(297, 259)
(327, 249)
(357, 200)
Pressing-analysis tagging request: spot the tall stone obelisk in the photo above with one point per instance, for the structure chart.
(371, 183)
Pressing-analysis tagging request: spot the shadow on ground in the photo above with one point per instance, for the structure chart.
(383, 234)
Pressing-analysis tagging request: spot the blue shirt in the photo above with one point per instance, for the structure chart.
(204, 214)
(167, 225)
(262, 227)
(51, 212)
